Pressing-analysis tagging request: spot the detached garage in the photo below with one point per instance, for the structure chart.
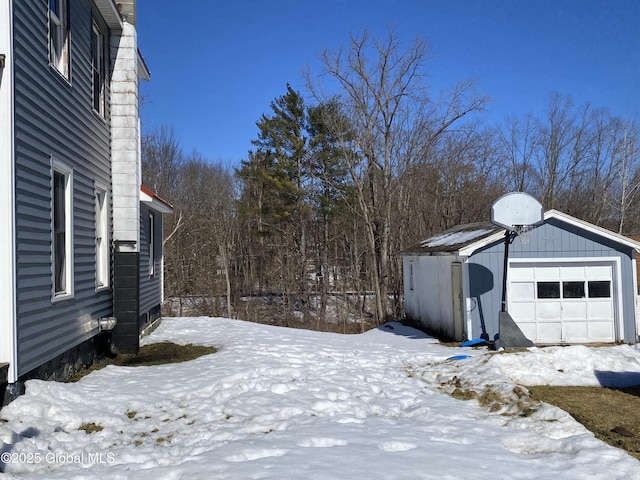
(568, 282)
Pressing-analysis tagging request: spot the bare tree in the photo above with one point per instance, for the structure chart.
(628, 174)
(162, 160)
(555, 137)
(517, 143)
(394, 123)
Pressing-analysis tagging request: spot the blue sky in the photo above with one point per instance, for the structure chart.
(216, 65)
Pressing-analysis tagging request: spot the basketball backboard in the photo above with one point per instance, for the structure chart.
(516, 208)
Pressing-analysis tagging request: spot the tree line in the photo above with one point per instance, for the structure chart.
(336, 184)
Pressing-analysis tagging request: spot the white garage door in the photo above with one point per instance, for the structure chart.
(570, 302)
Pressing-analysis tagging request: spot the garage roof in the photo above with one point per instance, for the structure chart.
(466, 239)
(455, 238)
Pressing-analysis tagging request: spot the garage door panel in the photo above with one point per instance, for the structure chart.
(601, 331)
(574, 310)
(521, 274)
(528, 328)
(576, 331)
(573, 272)
(549, 332)
(547, 273)
(523, 311)
(598, 272)
(522, 291)
(600, 310)
(549, 310)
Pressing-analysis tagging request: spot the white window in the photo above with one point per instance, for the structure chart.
(152, 249)
(102, 238)
(62, 229)
(59, 36)
(98, 69)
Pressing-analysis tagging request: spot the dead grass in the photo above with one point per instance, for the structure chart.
(611, 414)
(149, 355)
(90, 428)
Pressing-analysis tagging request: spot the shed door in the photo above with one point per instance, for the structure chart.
(569, 302)
(456, 293)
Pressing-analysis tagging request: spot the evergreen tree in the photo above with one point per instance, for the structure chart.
(275, 198)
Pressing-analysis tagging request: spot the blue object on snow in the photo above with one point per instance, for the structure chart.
(471, 343)
(459, 357)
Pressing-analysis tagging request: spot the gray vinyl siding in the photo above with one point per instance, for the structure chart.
(150, 286)
(54, 117)
(554, 239)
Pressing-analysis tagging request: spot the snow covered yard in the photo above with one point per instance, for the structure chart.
(281, 403)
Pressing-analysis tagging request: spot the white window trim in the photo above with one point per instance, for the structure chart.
(152, 245)
(103, 248)
(100, 69)
(59, 167)
(60, 55)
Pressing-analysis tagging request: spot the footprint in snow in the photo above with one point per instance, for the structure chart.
(282, 388)
(321, 442)
(396, 446)
(250, 455)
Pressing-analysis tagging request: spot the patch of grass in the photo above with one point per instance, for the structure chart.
(91, 427)
(149, 355)
(131, 413)
(163, 353)
(611, 414)
(462, 394)
(161, 440)
(492, 399)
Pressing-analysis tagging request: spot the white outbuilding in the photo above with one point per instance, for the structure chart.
(572, 282)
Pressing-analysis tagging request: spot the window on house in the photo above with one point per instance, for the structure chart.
(62, 231)
(59, 36)
(152, 251)
(98, 69)
(102, 238)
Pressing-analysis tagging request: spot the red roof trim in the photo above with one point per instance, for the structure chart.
(155, 197)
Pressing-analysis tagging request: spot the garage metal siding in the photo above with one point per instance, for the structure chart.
(553, 239)
(431, 300)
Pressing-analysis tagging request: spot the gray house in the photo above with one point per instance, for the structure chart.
(80, 241)
(573, 282)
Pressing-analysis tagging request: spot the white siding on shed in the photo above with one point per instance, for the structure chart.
(431, 299)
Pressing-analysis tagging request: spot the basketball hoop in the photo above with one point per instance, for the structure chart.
(523, 232)
(517, 210)
(518, 213)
